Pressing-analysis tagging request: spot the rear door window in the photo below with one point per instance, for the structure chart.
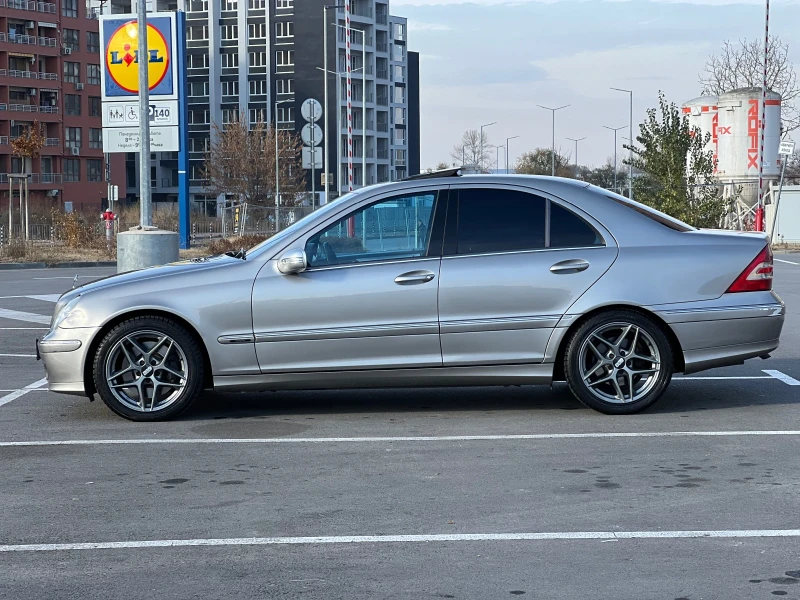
(491, 220)
(568, 230)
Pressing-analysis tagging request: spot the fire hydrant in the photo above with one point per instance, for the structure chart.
(109, 217)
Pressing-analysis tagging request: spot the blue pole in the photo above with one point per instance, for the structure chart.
(184, 208)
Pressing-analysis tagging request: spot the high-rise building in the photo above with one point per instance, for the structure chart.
(263, 58)
(50, 75)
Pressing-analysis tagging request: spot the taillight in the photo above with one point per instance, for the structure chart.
(757, 277)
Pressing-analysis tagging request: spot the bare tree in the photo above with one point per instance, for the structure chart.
(472, 150)
(793, 168)
(742, 65)
(241, 162)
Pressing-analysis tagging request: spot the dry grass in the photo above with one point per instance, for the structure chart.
(233, 244)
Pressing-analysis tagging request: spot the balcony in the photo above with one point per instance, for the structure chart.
(168, 182)
(28, 74)
(382, 47)
(3, 140)
(29, 108)
(40, 178)
(30, 40)
(45, 7)
(383, 127)
(383, 154)
(52, 142)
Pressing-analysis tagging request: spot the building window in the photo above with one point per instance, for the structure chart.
(93, 74)
(399, 116)
(400, 95)
(198, 117)
(72, 72)
(284, 58)
(257, 30)
(73, 139)
(284, 29)
(198, 88)
(72, 39)
(284, 3)
(230, 61)
(198, 61)
(94, 169)
(258, 59)
(72, 105)
(285, 114)
(257, 4)
(399, 31)
(72, 170)
(399, 73)
(230, 88)
(258, 87)
(398, 53)
(197, 33)
(285, 86)
(256, 115)
(400, 137)
(198, 6)
(230, 4)
(93, 42)
(230, 115)
(94, 106)
(69, 8)
(96, 138)
(198, 144)
(229, 32)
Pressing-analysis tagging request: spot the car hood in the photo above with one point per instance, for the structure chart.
(193, 265)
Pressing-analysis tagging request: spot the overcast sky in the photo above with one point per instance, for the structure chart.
(489, 60)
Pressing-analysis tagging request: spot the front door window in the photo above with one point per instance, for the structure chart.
(392, 229)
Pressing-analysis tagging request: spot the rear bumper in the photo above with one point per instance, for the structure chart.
(726, 331)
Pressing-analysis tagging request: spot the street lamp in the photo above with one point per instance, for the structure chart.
(576, 151)
(615, 130)
(277, 166)
(630, 149)
(553, 150)
(481, 141)
(338, 109)
(507, 141)
(497, 159)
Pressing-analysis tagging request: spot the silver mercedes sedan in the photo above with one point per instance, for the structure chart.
(444, 280)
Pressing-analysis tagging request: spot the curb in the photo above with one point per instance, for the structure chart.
(65, 265)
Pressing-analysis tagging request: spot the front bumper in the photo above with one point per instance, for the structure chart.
(64, 352)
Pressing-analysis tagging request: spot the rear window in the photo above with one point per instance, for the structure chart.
(650, 213)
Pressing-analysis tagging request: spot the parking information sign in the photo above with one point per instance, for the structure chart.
(786, 148)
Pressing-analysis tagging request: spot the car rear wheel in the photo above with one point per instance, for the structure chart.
(148, 369)
(618, 362)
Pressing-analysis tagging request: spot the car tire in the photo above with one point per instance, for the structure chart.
(607, 373)
(149, 369)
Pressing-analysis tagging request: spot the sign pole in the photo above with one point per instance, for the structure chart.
(145, 207)
(785, 151)
(184, 204)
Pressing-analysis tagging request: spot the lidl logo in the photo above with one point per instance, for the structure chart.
(121, 48)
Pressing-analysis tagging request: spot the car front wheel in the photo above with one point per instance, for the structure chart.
(148, 369)
(618, 362)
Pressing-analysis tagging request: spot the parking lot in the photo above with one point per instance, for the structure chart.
(434, 493)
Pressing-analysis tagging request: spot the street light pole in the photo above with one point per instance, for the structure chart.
(507, 141)
(145, 207)
(553, 149)
(630, 149)
(615, 130)
(481, 140)
(576, 152)
(497, 159)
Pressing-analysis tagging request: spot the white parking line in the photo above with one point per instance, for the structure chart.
(23, 328)
(19, 315)
(19, 393)
(788, 262)
(441, 438)
(42, 297)
(19, 355)
(720, 378)
(782, 377)
(406, 539)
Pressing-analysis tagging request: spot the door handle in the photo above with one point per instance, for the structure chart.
(564, 267)
(413, 277)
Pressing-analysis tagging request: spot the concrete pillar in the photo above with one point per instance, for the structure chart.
(142, 248)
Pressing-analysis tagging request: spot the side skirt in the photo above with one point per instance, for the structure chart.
(535, 374)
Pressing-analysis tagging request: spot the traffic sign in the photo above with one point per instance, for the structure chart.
(786, 148)
(126, 114)
(311, 110)
(307, 156)
(311, 134)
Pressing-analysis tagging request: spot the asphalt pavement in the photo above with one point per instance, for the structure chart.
(431, 493)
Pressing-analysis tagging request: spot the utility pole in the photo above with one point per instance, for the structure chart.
(553, 149)
(630, 149)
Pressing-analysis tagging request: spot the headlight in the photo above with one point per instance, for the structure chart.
(69, 316)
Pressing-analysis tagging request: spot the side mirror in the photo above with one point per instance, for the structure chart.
(292, 261)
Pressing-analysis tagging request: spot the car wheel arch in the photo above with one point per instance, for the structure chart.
(677, 351)
(88, 378)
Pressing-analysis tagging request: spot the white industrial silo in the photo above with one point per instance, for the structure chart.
(702, 113)
(739, 135)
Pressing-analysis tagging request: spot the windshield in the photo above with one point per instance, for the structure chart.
(298, 225)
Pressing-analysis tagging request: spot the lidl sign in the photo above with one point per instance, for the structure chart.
(119, 36)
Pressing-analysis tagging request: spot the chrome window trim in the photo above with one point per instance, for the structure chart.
(452, 256)
(369, 264)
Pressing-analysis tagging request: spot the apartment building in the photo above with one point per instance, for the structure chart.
(265, 57)
(50, 75)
